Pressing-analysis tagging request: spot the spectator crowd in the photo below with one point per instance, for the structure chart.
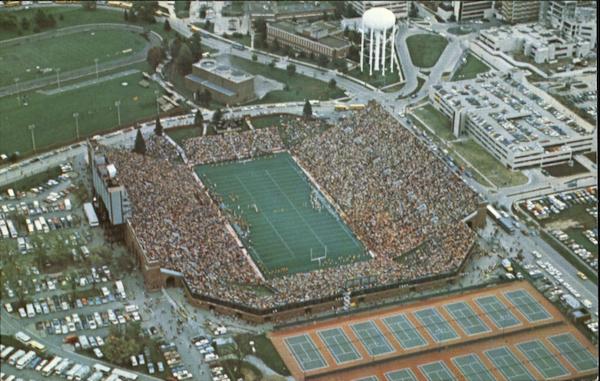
(404, 203)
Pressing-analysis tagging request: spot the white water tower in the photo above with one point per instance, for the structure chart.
(378, 31)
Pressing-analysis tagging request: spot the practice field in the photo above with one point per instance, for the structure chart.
(285, 222)
(68, 52)
(409, 342)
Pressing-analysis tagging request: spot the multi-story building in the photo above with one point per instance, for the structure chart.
(466, 10)
(510, 120)
(539, 43)
(319, 38)
(225, 84)
(574, 19)
(113, 200)
(515, 11)
(399, 8)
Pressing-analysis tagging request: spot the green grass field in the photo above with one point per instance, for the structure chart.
(300, 86)
(69, 52)
(181, 134)
(377, 79)
(53, 114)
(435, 120)
(425, 49)
(470, 68)
(285, 227)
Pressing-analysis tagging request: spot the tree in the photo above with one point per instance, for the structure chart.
(140, 143)
(145, 10)
(118, 349)
(196, 46)
(126, 15)
(254, 57)
(199, 119)
(276, 44)
(154, 56)
(217, 116)
(204, 97)
(323, 60)
(167, 26)
(184, 60)
(272, 64)
(158, 128)
(307, 110)
(175, 46)
(25, 23)
(14, 157)
(332, 83)
(8, 21)
(291, 69)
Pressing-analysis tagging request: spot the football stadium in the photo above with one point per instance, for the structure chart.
(283, 221)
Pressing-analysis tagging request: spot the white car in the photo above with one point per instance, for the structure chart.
(98, 353)
(536, 254)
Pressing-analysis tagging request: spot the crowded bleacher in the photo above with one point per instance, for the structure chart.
(405, 205)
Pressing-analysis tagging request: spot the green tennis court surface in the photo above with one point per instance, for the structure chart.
(369, 378)
(372, 338)
(472, 368)
(544, 361)
(497, 312)
(339, 345)
(571, 349)
(436, 325)
(287, 224)
(437, 371)
(305, 352)
(406, 334)
(528, 306)
(401, 375)
(507, 363)
(466, 318)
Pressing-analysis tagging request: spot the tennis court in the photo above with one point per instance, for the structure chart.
(464, 315)
(571, 349)
(497, 311)
(370, 378)
(529, 307)
(305, 352)
(372, 338)
(508, 364)
(541, 358)
(437, 371)
(436, 325)
(403, 330)
(401, 375)
(472, 368)
(339, 345)
(287, 225)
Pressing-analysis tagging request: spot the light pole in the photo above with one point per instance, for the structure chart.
(96, 63)
(18, 95)
(118, 104)
(156, 95)
(76, 116)
(32, 128)
(58, 77)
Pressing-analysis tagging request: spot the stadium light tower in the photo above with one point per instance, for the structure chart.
(18, 94)
(76, 116)
(156, 95)
(32, 129)
(58, 76)
(378, 31)
(96, 63)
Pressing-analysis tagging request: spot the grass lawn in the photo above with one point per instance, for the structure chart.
(181, 134)
(27, 183)
(435, 120)
(377, 79)
(425, 49)
(470, 68)
(53, 114)
(300, 86)
(488, 165)
(70, 52)
(266, 352)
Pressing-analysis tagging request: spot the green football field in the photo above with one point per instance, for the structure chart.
(285, 223)
(67, 52)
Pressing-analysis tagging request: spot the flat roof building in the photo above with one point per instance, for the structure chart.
(225, 84)
(319, 38)
(399, 8)
(510, 120)
(287, 10)
(518, 11)
(466, 10)
(115, 204)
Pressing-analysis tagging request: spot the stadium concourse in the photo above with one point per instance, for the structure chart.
(406, 207)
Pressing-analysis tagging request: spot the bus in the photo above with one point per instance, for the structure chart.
(101, 368)
(37, 346)
(239, 46)
(194, 28)
(341, 108)
(71, 372)
(357, 106)
(12, 360)
(22, 337)
(25, 359)
(124, 374)
(49, 368)
(90, 214)
(6, 352)
(120, 4)
(8, 4)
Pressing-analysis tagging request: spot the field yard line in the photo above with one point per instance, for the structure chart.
(295, 209)
(266, 218)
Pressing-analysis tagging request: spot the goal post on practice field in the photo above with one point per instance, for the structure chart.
(319, 258)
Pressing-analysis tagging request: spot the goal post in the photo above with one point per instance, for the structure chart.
(320, 258)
